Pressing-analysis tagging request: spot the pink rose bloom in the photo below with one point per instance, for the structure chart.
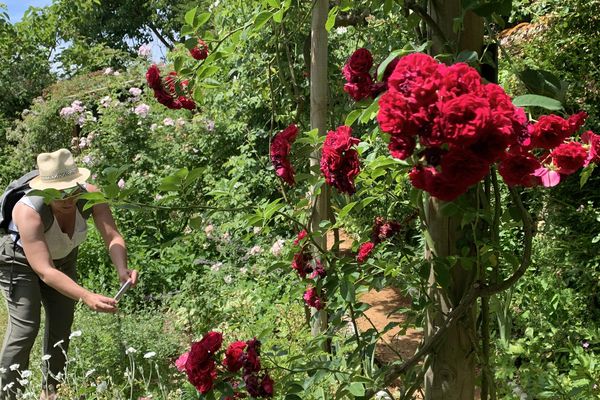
(180, 362)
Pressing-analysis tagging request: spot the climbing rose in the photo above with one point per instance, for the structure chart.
(200, 367)
(364, 251)
(300, 263)
(569, 157)
(312, 299)
(280, 150)
(519, 169)
(339, 161)
(234, 356)
(200, 51)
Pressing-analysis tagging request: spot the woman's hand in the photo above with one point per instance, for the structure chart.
(126, 274)
(97, 302)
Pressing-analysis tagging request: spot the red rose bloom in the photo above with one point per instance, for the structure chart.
(549, 131)
(234, 356)
(463, 119)
(153, 77)
(364, 251)
(266, 386)
(569, 157)
(212, 341)
(312, 299)
(200, 51)
(459, 79)
(252, 358)
(187, 103)
(436, 184)
(401, 147)
(519, 169)
(394, 114)
(383, 230)
(464, 167)
(280, 150)
(593, 142)
(339, 162)
(359, 63)
(301, 263)
(417, 75)
(301, 235)
(360, 87)
(318, 270)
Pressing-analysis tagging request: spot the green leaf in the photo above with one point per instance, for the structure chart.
(195, 222)
(389, 59)
(261, 19)
(370, 112)
(357, 389)
(278, 16)
(347, 208)
(274, 3)
(534, 100)
(585, 174)
(352, 117)
(544, 83)
(190, 15)
(387, 6)
(331, 18)
(202, 19)
(467, 56)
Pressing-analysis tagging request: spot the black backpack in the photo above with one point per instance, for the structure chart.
(12, 194)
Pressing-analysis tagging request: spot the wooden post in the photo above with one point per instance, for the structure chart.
(318, 120)
(451, 371)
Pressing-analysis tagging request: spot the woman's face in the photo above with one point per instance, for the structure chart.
(68, 202)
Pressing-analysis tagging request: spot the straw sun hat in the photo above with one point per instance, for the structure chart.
(58, 171)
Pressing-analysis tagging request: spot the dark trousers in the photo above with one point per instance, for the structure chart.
(24, 308)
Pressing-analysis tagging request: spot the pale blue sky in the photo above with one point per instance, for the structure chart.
(16, 8)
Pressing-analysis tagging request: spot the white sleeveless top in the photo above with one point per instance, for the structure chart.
(59, 243)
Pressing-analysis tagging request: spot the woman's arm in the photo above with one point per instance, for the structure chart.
(31, 232)
(105, 223)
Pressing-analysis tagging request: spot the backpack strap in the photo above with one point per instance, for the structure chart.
(44, 210)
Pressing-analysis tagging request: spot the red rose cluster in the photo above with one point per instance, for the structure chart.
(200, 365)
(382, 230)
(308, 268)
(357, 72)
(170, 92)
(339, 161)
(280, 150)
(200, 51)
(463, 126)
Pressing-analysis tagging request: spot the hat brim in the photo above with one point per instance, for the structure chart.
(82, 176)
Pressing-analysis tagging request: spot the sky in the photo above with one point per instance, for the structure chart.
(16, 8)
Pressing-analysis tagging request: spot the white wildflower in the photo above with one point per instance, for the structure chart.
(105, 101)
(14, 367)
(209, 229)
(142, 110)
(121, 183)
(168, 122)
(340, 30)
(46, 357)
(8, 386)
(149, 354)
(108, 71)
(277, 247)
(228, 279)
(243, 271)
(89, 373)
(216, 267)
(255, 250)
(59, 343)
(130, 350)
(145, 51)
(135, 92)
(26, 374)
